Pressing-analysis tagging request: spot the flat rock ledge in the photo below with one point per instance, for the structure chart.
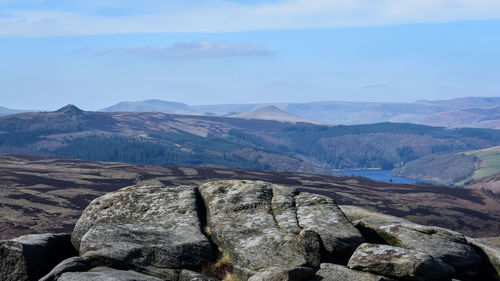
(399, 263)
(242, 230)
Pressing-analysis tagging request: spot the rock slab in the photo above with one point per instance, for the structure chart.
(241, 221)
(107, 274)
(335, 272)
(399, 263)
(30, 257)
(443, 244)
(147, 228)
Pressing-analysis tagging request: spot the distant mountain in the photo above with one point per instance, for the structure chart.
(7, 111)
(479, 117)
(465, 102)
(151, 106)
(190, 140)
(331, 112)
(271, 112)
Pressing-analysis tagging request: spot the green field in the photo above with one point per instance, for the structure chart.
(489, 163)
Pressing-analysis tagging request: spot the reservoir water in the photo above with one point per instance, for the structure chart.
(379, 175)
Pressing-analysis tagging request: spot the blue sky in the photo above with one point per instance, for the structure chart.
(97, 53)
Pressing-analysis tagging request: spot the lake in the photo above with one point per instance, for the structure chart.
(379, 175)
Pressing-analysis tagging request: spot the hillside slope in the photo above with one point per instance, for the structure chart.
(454, 168)
(48, 195)
(447, 169)
(158, 138)
(481, 117)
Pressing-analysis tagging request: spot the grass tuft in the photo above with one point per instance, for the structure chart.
(221, 269)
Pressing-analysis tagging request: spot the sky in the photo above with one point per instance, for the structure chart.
(97, 53)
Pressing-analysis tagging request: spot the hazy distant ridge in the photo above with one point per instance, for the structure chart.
(339, 112)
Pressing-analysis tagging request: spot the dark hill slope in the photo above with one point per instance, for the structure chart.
(40, 195)
(167, 139)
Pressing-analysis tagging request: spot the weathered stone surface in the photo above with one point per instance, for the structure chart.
(490, 257)
(311, 247)
(188, 275)
(335, 272)
(320, 214)
(399, 262)
(354, 213)
(30, 257)
(107, 274)
(242, 222)
(74, 264)
(149, 228)
(446, 245)
(283, 274)
(283, 206)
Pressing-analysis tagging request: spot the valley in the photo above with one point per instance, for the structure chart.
(169, 139)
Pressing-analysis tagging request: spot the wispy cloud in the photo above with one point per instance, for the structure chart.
(194, 50)
(225, 16)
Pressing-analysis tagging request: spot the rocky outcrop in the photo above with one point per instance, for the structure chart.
(30, 257)
(399, 263)
(335, 272)
(244, 230)
(338, 236)
(446, 245)
(154, 229)
(258, 224)
(107, 274)
(241, 221)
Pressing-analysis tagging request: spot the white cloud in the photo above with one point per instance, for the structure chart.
(226, 16)
(193, 50)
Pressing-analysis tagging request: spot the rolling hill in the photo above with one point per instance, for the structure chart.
(271, 112)
(457, 169)
(167, 139)
(480, 117)
(336, 112)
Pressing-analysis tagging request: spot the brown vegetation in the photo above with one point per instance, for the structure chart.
(39, 195)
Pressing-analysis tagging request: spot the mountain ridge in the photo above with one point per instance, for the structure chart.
(329, 112)
(167, 139)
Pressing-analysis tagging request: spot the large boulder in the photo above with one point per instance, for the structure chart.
(490, 257)
(320, 214)
(107, 274)
(446, 245)
(153, 229)
(242, 222)
(30, 257)
(399, 262)
(335, 272)
(264, 225)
